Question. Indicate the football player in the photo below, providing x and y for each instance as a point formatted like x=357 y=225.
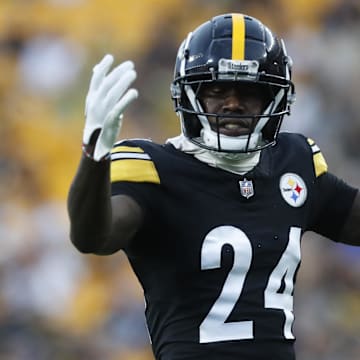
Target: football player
x=211 y=221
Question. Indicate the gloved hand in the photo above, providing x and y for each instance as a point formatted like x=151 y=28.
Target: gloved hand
x=107 y=98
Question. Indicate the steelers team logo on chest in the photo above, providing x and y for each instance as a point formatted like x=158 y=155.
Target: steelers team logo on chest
x=293 y=189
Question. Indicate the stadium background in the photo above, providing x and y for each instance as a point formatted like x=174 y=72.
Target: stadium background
x=58 y=304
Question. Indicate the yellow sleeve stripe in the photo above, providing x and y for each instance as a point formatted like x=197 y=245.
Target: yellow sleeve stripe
x=134 y=170
x=313 y=145
x=319 y=164
x=129 y=149
x=310 y=141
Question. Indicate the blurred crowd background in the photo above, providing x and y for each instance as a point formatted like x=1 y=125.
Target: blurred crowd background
x=58 y=304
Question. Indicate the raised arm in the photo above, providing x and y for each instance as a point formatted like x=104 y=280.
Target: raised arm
x=99 y=223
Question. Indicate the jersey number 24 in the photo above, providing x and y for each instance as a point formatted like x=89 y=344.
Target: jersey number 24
x=214 y=327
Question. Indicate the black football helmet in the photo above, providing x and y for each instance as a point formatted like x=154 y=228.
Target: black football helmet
x=232 y=48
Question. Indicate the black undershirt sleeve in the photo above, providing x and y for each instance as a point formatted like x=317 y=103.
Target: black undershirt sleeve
x=89 y=205
x=331 y=206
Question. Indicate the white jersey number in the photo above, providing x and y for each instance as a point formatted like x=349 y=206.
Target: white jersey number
x=214 y=327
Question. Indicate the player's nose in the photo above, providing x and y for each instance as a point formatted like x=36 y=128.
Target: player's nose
x=233 y=102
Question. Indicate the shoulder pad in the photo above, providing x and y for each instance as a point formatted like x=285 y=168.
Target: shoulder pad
x=320 y=164
x=132 y=163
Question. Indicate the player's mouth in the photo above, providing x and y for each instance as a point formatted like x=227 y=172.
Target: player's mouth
x=233 y=127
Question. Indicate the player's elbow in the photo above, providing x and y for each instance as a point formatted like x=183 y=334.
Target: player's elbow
x=87 y=243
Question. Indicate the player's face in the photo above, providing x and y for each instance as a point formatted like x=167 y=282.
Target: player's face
x=229 y=99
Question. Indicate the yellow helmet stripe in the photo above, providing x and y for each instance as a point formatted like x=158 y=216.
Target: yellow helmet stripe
x=238 y=31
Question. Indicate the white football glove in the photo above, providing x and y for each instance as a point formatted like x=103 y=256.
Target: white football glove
x=108 y=96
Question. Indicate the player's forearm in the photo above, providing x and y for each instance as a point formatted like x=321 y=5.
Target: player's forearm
x=89 y=205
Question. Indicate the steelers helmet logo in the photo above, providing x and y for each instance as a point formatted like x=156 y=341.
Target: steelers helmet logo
x=293 y=189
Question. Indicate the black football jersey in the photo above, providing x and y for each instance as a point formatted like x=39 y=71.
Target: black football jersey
x=218 y=253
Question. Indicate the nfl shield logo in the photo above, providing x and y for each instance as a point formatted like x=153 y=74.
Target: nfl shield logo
x=246 y=188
